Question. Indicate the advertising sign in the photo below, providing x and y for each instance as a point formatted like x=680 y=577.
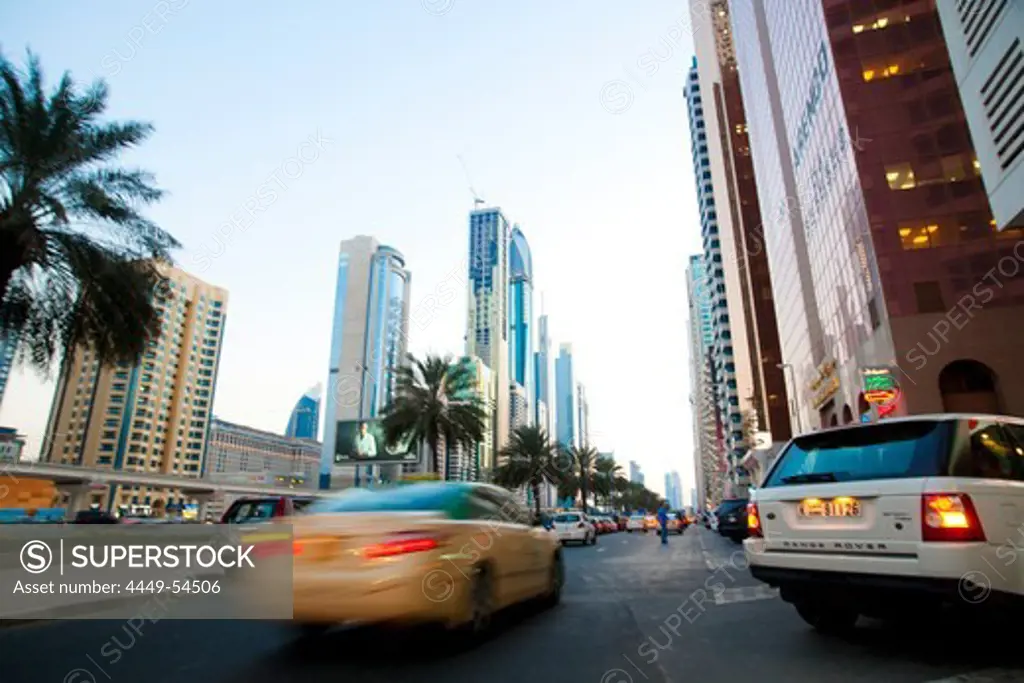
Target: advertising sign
x=362 y=442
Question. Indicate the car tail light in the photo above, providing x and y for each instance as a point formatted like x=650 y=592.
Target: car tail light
x=754 y=521
x=950 y=517
x=281 y=508
x=400 y=546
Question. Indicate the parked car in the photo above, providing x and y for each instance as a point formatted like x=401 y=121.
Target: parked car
x=896 y=518
x=575 y=527
x=732 y=519
x=636 y=523
x=621 y=522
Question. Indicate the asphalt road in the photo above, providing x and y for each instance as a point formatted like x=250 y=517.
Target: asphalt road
x=633 y=612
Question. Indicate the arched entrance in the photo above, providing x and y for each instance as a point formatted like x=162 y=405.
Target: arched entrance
x=834 y=422
x=968 y=386
x=847 y=415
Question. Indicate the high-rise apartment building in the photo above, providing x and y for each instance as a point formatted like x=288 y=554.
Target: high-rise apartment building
x=879 y=228
x=8 y=348
x=304 y=422
x=368 y=342
x=150 y=417
x=520 y=299
x=709 y=457
x=739 y=254
x=488 y=320
x=986 y=48
x=482 y=459
x=519 y=406
x=566 y=411
x=542 y=369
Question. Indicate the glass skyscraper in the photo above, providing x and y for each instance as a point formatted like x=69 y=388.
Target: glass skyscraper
x=520 y=338
x=544 y=409
x=304 y=422
x=566 y=412
x=368 y=342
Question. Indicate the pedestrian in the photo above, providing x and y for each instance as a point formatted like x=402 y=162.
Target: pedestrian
x=663 y=521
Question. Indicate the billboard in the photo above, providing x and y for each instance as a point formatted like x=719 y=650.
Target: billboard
x=363 y=442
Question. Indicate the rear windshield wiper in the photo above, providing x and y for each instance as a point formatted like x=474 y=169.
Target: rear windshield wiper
x=810 y=478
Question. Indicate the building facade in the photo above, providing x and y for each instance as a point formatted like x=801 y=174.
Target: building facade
x=234 y=450
x=521 y=331
x=482 y=460
x=368 y=345
x=636 y=475
x=583 y=421
x=519 y=406
x=11 y=445
x=542 y=369
x=488 y=319
x=878 y=225
x=151 y=417
x=304 y=422
x=8 y=349
x=566 y=410
x=986 y=48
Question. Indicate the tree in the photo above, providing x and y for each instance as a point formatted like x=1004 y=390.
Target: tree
x=607 y=474
x=78 y=261
x=529 y=459
x=435 y=401
x=584 y=458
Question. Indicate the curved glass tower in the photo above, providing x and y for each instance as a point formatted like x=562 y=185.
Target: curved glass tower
x=304 y=422
x=520 y=337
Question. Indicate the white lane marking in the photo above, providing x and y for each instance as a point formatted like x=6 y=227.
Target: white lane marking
x=745 y=594
x=600 y=550
x=985 y=676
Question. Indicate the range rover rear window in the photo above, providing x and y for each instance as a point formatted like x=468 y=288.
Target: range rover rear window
x=888 y=450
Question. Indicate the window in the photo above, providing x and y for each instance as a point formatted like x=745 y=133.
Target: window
x=917 y=235
x=989 y=452
x=900 y=176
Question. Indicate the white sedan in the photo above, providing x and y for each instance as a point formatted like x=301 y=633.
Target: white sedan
x=636 y=523
x=575 y=527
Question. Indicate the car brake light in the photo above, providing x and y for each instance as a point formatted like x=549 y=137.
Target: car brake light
x=950 y=517
x=754 y=521
x=401 y=546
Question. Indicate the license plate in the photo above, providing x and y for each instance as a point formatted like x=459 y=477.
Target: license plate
x=837 y=507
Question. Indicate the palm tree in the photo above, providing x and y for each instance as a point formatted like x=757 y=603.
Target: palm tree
x=529 y=459
x=606 y=475
x=78 y=261
x=584 y=458
x=435 y=401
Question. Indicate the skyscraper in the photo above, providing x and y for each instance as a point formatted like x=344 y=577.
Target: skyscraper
x=674 y=490
x=150 y=417
x=488 y=320
x=636 y=475
x=986 y=48
x=566 y=412
x=747 y=275
x=542 y=368
x=583 y=422
x=880 y=226
x=519 y=406
x=520 y=339
x=368 y=342
x=8 y=347
x=708 y=456
x=304 y=422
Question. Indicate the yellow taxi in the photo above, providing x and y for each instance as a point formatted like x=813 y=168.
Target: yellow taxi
x=651 y=523
x=452 y=553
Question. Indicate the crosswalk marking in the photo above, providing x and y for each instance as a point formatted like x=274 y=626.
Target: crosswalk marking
x=985 y=676
x=745 y=594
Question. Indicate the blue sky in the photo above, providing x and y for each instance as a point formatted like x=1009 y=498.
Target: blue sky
x=569 y=115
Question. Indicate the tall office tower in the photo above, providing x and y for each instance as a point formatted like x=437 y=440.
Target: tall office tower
x=708 y=456
x=8 y=347
x=748 y=281
x=150 y=417
x=635 y=475
x=488 y=327
x=566 y=411
x=304 y=422
x=542 y=369
x=583 y=422
x=879 y=225
x=520 y=333
x=986 y=48
x=543 y=420
x=670 y=493
x=368 y=343
x=519 y=406
x=677 y=489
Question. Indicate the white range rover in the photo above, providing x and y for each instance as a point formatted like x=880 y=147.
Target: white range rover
x=893 y=519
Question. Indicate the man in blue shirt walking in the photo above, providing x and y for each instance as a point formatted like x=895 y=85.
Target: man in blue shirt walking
x=663 y=521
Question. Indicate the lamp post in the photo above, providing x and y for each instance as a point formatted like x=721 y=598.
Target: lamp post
x=794 y=405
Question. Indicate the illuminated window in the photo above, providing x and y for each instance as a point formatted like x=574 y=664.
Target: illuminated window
x=917 y=235
x=900 y=177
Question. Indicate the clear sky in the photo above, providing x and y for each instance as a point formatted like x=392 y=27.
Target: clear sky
x=569 y=115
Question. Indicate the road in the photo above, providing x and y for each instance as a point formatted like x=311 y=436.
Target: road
x=633 y=612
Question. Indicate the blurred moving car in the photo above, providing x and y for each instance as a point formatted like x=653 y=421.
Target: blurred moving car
x=732 y=519
x=256 y=510
x=453 y=553
x=636 y=523
x=575 y=527
x=676 y=525
x=895 y=518
x=604 y=524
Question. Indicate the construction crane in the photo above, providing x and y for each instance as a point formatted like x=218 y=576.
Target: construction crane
x=477 y=200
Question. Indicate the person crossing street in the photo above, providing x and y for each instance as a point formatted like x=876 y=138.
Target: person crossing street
x=663 y=522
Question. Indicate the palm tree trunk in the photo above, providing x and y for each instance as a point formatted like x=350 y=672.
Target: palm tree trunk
x=536 y=498
x=583 y=488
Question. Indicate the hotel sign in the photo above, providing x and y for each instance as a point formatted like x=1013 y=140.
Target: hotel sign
x=880 y=386
x=825 y=385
